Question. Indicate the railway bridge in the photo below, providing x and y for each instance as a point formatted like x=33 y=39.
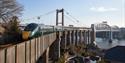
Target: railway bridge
x=42 y=48
x=103 y=30
x=48 y=46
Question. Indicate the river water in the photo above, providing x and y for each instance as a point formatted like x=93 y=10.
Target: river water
x=104 y=43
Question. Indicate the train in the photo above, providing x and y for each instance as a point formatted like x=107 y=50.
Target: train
x=33 y=30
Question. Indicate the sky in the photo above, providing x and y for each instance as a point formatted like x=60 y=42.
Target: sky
x=86 y=12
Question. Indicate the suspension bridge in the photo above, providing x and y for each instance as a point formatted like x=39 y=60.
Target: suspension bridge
x=49 y=18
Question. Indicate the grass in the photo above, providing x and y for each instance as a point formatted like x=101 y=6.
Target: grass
x=61 y=60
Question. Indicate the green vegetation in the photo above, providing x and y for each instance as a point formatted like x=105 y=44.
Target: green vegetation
x=82 y=50
x=61 y=60
x=12 y=31
x=13 y=26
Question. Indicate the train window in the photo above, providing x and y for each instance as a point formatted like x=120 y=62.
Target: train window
x=31 y=27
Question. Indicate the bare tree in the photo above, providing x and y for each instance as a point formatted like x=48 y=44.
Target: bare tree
x=8 y=9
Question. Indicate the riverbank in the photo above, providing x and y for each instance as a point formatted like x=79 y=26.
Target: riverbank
x=104 y=44
x=79 y=53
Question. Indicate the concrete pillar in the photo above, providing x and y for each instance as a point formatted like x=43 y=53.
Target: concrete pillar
x=88 y=36
x=47 y=55
x=64 y=40
x=76 y=37
x=59 y=40
x=83 y=36
x=54 y=51
x=80 y=36
x=84 y=33
x=111 y=34
x=72 y=37
x=65 y=36
x=68 y=38
x=93 y=33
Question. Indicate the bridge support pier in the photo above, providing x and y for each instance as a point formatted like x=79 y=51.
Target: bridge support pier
x=69 y=38
x=47 y=55
x=88 y=36
x=93 y=33
x=55 y=47
x=76 y=37
x=80 y=36
x=85 y=37
x=72 y=37
x=64 y=40
x=59 y=42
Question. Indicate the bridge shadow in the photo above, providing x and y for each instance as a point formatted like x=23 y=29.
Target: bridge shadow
x=42 y=59
x=53 y=53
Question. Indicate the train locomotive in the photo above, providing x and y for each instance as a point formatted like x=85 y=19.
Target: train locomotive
x=33 y=30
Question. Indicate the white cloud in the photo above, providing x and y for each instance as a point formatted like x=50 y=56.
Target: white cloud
x=103 y=9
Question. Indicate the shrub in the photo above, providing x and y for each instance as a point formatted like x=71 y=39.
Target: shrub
x=12 y=31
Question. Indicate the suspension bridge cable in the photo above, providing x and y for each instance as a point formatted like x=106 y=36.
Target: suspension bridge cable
x=50 y=12
x=70 y=19
x=71 y=16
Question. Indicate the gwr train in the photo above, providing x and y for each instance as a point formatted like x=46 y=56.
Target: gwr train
x=34 y=30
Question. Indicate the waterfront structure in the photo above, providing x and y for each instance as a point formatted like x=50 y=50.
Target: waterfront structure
x=122 y=33
x=105 y=31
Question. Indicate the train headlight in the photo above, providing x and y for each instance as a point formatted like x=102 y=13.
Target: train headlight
x=26 y=35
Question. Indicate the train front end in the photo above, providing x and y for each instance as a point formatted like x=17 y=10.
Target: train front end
x=30 y=31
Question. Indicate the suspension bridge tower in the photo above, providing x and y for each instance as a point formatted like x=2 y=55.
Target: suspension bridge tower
x=57 y=17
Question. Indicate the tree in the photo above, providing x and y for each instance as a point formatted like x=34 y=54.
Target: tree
x=13 y=26
x=12 y=33
x=8 y=9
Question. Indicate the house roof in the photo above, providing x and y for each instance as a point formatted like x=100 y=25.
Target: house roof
x=116 y=54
